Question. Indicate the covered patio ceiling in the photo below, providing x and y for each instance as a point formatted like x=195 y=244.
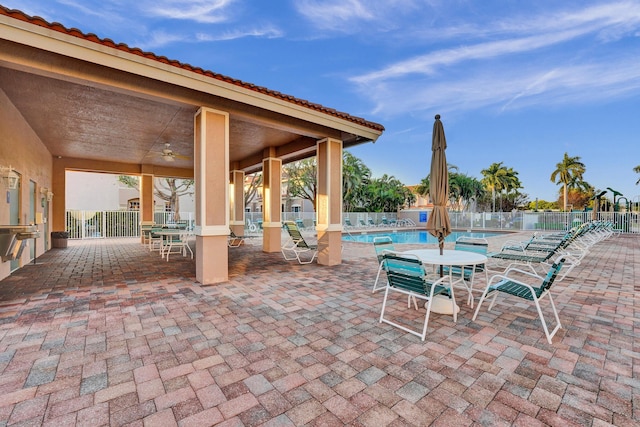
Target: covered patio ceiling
x=88 y=98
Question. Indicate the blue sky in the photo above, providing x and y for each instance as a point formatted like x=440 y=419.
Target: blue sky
x=515 y=82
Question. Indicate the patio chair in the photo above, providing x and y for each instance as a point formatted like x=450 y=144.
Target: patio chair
x=295 y=245
x=371 y=223
x=347 y=223
x=477 y=245
x=180 y=242
x=508 y=284
x=155 y=240
x=234 y=240
x=381 y=244
x=361 y=223
x=406 y=275
x=300 y=224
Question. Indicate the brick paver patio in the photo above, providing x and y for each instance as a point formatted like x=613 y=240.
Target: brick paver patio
x=106 y=333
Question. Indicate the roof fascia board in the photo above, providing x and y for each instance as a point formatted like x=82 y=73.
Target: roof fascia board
x=75 y=47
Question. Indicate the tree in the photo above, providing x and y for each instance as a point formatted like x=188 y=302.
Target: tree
x=463 y=189
x=302 y=179
x=355 y=177
x=423 y=188
x=386 y=194
x=168 y=189
x=494 y=180
x=637 y=170
x=568 y=169
x=252 y=184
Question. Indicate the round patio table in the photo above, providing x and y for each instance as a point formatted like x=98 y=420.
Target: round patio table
x=448 y=258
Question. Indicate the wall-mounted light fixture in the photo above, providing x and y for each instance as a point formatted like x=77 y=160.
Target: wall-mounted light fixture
x=49 y=196
x=10 y=178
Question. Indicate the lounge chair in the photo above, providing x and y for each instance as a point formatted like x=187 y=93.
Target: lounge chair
x=361 y=223
x=468 y=273
x=295 y=245
x=347 y=223
x=507 y=283
x=371 y=223
x=406 y=275
x=235 y=240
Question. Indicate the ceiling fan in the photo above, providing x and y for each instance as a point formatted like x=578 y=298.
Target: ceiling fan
x=169 y=156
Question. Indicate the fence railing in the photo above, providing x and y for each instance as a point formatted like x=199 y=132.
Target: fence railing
x=106 y=224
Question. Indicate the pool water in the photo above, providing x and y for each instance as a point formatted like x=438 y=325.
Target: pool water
x=413 y=236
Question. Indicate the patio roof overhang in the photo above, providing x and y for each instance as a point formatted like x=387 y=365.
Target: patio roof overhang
x=91 y=99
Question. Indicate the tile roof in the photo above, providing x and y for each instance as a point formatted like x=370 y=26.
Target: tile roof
x=55 y=26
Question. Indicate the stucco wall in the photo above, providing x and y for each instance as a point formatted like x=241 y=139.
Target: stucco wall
x=21 y=148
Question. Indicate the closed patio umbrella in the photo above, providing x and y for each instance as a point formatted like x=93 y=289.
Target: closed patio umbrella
x=438 y=224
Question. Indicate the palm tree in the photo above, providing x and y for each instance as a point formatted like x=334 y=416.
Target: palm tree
x=568 y=169
x=355 y=176
x=637 y=170
x=494 y=179
x=510 y=182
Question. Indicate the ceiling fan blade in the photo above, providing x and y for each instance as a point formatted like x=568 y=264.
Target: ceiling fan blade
x=181 y=157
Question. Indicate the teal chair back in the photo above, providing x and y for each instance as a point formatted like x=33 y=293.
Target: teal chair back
x=550 y=277
x=381 y=244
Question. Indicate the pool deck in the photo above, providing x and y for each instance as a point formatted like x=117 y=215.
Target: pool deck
x=106 y=333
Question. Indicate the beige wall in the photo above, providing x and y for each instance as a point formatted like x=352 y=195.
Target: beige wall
x=21 y=148
x=103 y=192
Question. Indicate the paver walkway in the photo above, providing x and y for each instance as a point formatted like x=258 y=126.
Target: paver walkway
x=106 y=333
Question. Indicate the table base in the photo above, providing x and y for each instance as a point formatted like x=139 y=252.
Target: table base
x=441 y=305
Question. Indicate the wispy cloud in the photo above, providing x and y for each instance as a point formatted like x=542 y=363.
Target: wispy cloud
x=203 y=11
x=349 y=16
x=510 y=89
x=520 y=69
x=267 y=32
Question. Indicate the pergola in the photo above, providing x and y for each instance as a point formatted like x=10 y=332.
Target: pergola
x=100 y=106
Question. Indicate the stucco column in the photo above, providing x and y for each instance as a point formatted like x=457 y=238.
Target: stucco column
x=211 y=173
x=146 y=200
x=236 y=202
x=271 y=204
x=58 y=186
x=329 y=201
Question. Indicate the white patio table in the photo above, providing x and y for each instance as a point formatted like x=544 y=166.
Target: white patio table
x=449 y=258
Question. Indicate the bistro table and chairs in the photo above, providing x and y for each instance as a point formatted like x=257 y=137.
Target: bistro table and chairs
x=455 y=262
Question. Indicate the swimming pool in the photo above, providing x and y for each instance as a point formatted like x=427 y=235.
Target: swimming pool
x=420 y=236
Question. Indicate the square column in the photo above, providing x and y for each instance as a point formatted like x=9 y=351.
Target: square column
x=58 y=187
x=271 y=204
x=236 y=202
x=146 y=201
x=211 y=173
x=329 y=201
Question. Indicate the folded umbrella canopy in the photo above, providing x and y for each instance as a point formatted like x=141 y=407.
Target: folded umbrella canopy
x=438 y=224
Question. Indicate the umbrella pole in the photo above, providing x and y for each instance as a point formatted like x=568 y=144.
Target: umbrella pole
x=441 y=244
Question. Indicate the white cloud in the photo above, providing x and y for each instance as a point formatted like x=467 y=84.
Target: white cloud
x=534 y=61
x=267 y=32
x=350 y=16
x=510 y=89
x=203 y=11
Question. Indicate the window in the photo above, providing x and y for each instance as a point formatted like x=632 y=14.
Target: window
x=133 y=204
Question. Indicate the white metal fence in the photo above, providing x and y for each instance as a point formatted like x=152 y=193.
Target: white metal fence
x=106 y=224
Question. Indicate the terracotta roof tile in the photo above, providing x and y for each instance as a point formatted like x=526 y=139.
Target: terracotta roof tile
x=55 y=26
